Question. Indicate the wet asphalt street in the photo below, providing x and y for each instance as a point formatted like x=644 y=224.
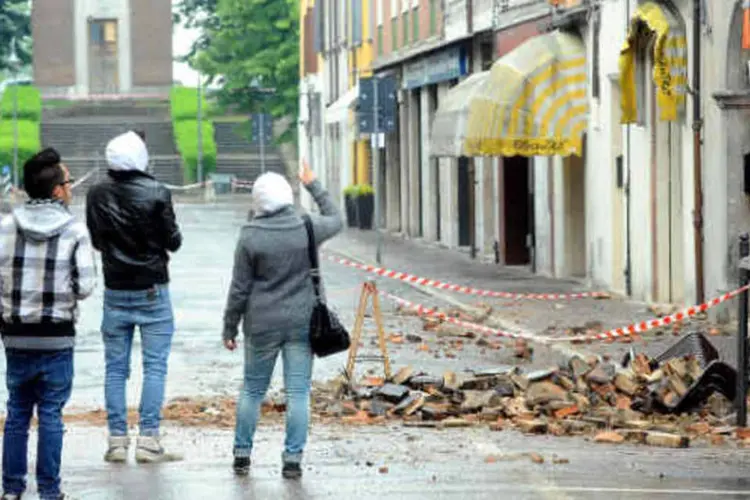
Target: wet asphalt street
x=346 y=462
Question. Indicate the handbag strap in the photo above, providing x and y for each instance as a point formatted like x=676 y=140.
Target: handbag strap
x=312 y=255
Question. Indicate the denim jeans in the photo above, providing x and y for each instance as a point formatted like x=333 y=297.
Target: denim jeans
x=43 y=379
x=151 y=311
x=261 y=351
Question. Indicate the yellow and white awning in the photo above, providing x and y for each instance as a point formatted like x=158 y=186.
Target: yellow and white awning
x=670 y=61
x=532 y=102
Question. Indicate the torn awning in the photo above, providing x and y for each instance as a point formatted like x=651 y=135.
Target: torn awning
x=339 y=110
x=531 y=102
x=449 y=124
x=669 y=61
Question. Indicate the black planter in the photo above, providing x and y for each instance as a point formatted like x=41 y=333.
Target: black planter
x=365 y=210
x=351 y=210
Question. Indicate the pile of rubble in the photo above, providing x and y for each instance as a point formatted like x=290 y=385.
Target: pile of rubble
x=661 y=402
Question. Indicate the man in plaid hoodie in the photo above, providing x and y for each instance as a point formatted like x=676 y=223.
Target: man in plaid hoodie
x=46 y=266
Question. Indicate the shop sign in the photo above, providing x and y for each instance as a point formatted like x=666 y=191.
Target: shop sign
x=445 y=65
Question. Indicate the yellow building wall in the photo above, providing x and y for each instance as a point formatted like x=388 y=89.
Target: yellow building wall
x=361 y=67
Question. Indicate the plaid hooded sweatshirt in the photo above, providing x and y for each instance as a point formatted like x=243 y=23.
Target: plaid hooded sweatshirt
x=46 y=266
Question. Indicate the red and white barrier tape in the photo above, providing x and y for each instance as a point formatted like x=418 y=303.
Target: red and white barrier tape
x=422 y=310
x=84 y=178
x=188 y=187
x=410 y=278
x=633 y=329
x=652 y=324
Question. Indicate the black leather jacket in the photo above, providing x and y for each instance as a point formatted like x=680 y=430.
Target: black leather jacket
x=132 y=223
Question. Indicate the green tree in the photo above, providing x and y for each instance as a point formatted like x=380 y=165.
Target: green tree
x=255 y=43
x=15 y=29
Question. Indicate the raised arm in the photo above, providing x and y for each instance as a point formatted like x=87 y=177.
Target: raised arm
x=328 y=223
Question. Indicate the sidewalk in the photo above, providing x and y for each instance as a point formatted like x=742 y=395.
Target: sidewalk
x=543 y=318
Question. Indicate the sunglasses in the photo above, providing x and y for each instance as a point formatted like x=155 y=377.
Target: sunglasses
x=68 y=181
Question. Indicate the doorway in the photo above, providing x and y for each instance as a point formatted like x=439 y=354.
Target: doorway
x=466 y=204
x=103 y=59
x=574 y=176
x=518 y=209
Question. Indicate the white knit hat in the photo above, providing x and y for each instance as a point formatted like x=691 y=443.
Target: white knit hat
x=271 y=192
x=127 y=152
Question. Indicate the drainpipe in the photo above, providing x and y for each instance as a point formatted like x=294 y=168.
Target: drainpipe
x=697 y=159
x=628 y=259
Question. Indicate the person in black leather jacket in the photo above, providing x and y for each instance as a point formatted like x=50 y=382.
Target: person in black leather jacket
x=133 y=224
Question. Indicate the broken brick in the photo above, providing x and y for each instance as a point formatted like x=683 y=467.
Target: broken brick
x=567 y=411
x=624 y=383
x=579 y=366
x=601 y=374
x=403 y=375
x=411 y=404
x=544 y=392
x=393 y=393
x=666 y=440
x=476 y=400
x=532 y=426
x=609 y=437
x=536 y=458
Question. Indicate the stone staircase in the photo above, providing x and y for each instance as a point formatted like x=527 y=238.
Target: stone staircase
x=237 y=156
x=82 y=131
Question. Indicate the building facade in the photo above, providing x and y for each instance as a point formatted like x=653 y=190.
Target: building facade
x=605 y=141
x=86 y=48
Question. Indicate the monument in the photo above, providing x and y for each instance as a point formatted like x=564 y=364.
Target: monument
x=105 y=48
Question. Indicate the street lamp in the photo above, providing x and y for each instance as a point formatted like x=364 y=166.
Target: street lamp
x=200 y=130
x=13 y=62
x=263 y=91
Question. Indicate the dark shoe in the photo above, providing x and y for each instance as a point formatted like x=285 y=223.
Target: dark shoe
x=241 y=466
x=291 y=471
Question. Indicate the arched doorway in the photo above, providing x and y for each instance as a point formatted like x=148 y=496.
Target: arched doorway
x=658 y=209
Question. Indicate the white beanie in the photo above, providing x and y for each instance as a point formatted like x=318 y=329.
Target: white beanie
x=127 y=152
x=271 y=192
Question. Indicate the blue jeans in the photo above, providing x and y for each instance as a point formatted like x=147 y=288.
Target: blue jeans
x=151 y=311
x=43 y=379
x=261 y=351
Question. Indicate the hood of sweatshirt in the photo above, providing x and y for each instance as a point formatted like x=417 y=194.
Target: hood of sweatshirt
x=127 y=152
x=41 y=220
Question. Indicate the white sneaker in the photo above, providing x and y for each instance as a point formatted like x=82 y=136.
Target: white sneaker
x=118 y=450
x=150 y=451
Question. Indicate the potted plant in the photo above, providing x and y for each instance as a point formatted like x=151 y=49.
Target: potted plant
x=365 y=206
x=350 y=204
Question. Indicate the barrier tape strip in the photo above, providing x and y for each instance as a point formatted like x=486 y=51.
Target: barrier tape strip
x=410 y=278
x=84 y=178
x=644 y=326
x=633 y=329
x=188 y=187
x=422 y=310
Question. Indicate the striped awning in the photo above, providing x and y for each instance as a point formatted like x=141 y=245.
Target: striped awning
x=670 y=61
x=532 y=102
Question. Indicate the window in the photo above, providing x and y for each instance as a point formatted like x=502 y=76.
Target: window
x=415 y=23
x=379 y=12
x=405 y=28
x=394 y=33
x=433 y=16
x=380 y=40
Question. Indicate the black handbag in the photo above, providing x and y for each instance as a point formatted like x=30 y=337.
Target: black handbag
x=327 y=334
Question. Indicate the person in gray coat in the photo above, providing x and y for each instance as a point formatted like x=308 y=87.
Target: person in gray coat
x=272 y=294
